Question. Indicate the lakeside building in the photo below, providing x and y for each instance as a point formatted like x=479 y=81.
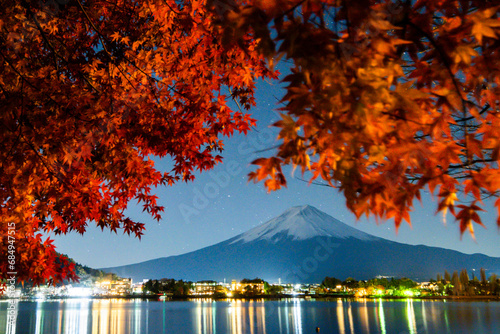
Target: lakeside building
x=429 y=286
x=119 y=287
x=242 y=287
x=137 y=288
x=204 y=288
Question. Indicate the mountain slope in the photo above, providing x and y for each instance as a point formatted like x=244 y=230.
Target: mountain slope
x=301 y=223
x=305 y=244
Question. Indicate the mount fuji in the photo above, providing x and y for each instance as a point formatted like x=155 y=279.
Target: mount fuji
x=305 y=245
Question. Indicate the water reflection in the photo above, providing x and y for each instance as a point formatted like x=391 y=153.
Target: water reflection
x=205 y=317
x=255 y=316
x=246 y=317
x=381 y=316
x=351 y=319
x=410 y=314
x=249 y=316
x=39 y=318
x=297 y=316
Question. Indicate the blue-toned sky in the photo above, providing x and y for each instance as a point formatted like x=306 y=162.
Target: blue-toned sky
x=221 y=204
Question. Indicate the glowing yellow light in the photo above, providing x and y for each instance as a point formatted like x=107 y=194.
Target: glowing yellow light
x=408 y=293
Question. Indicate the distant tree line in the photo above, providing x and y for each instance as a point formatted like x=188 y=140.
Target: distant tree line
x=460 y=284
x=456 y=284
x=330 y=283
x=254 y=280
x=86 y=272
x=252 y=287
x=168 y=286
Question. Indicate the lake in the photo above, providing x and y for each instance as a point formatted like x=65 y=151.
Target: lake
x=122 y=316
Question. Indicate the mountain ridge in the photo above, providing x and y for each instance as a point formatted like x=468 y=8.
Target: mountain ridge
x=303 y=222
x=304 y=245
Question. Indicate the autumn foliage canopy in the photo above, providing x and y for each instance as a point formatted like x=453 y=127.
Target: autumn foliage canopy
x=90 y=91
x=385 y=99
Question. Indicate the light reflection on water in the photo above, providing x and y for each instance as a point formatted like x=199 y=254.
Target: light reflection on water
x=118 y=316
x=381 y=316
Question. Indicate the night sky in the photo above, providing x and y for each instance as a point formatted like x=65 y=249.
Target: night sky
x=221 y=204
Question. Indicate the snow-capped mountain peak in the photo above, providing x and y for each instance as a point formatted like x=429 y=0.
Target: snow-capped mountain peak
x=300 y=223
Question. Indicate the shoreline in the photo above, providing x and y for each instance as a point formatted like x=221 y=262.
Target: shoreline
x=329 y=297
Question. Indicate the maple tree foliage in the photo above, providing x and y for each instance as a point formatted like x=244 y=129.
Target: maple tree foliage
x=90 y=91
x=386 y=99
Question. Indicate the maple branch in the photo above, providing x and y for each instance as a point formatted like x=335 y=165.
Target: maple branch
x=101 y=36
x=17 y=138
x=290 y=10
x=470 y=163
x=33 y=148
x=125 y=76
x=233 y=96
x=54 y=52
x=267 y=149
x=130 y=62
x=470 y=118
x=348 y=22
x=422 y=136
x=487 y=194
x=44 y=36
x=404 y=118
x=316 y=183
x=452 y=76
x=444 y=58
x=170 y=7
x=23 y=78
